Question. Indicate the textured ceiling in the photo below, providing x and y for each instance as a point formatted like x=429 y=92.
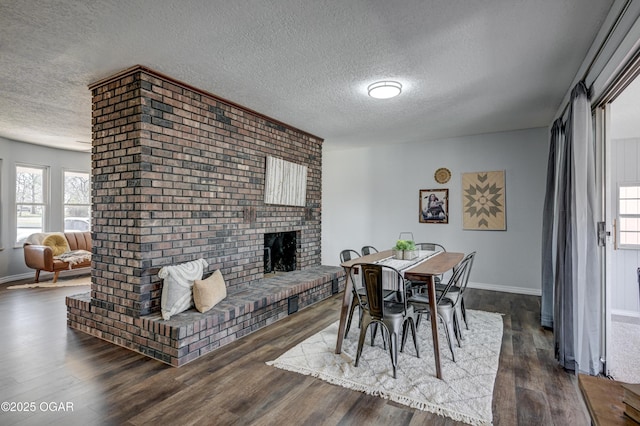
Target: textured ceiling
x=467 y=67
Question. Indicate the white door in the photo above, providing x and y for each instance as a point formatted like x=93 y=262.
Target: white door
x=620 y=119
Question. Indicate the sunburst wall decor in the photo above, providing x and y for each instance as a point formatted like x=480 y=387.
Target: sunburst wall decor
x=483 y=201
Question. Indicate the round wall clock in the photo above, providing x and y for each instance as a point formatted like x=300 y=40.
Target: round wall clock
x=442 y=175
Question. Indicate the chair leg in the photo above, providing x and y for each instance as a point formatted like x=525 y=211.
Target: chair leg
x=55 y=276
x=411 y=324
x=458 y=322
x=363 y=333
x=374 y=333
x=419 y=317
x=393 y=343
x=414 y=330
x=458 y=328
x=393 y=350
x=447 y=323
x=455 y=326
x=464 y=312
x=37 y=275
x=351 y=311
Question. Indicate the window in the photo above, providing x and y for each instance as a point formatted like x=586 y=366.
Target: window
x=77 y=201
x=31 y=199
x=629 y=215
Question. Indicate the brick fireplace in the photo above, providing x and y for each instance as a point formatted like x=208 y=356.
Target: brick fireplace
x=179 y=174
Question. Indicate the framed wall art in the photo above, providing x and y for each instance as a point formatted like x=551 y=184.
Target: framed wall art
x=483 y=201
x=434 y=206
x=285 y=183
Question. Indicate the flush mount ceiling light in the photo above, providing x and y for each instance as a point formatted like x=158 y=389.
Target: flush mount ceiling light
x=384 y=89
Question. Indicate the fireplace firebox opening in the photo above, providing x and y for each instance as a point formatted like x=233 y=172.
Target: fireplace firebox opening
x=280 y=252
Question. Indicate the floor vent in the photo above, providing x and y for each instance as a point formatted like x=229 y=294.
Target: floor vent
x=293 y=304
x=334 y=286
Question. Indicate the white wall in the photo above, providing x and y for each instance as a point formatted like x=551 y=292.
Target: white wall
x=370 y=195
x=12 y=265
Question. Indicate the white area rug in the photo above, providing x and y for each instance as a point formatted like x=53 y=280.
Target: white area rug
x=71 y=282
x=625 y=352
x=464 y=395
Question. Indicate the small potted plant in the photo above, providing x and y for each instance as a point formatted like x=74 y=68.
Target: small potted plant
x=405 y=250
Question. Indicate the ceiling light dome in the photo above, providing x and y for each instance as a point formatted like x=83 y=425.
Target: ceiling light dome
x=384 y=89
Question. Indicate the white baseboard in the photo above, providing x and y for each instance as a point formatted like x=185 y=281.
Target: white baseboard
x=44 y=276
x=623 y=313
x=17 y=277
x=506 y=289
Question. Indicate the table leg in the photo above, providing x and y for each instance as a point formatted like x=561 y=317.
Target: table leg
x=433 y=308
x=344 y=311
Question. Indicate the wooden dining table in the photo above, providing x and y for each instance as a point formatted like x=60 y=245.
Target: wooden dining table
x=423 y=272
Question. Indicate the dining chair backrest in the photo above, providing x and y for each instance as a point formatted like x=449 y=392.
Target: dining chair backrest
x=456 y=279
x=373 y=276
x=348 y=254
x=435 y=247
x=406 y=236
x=469 y=263
x=430 y=247
x=368 y=250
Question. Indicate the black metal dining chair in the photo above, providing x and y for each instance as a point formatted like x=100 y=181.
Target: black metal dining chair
x=357 y=290
x=446 y=311
x=396 y=317
x=348 y=254
x=365 y=250
x=456 y=293
x=406 y=236
x=429 y=247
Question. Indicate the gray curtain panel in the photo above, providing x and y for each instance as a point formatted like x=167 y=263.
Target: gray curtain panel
x=563 y=289
x=549 y=224
x=585 y=213
x=576 y=273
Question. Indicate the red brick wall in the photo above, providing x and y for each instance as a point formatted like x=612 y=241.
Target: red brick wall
x=178 y=174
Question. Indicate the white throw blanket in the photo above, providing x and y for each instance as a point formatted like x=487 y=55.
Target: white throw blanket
x=74 y=257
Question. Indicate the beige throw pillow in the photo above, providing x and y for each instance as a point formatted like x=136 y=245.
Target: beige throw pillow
x=209 y=292
x=57 y=242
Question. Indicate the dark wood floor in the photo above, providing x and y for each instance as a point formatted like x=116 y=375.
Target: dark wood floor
x=41 y=360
